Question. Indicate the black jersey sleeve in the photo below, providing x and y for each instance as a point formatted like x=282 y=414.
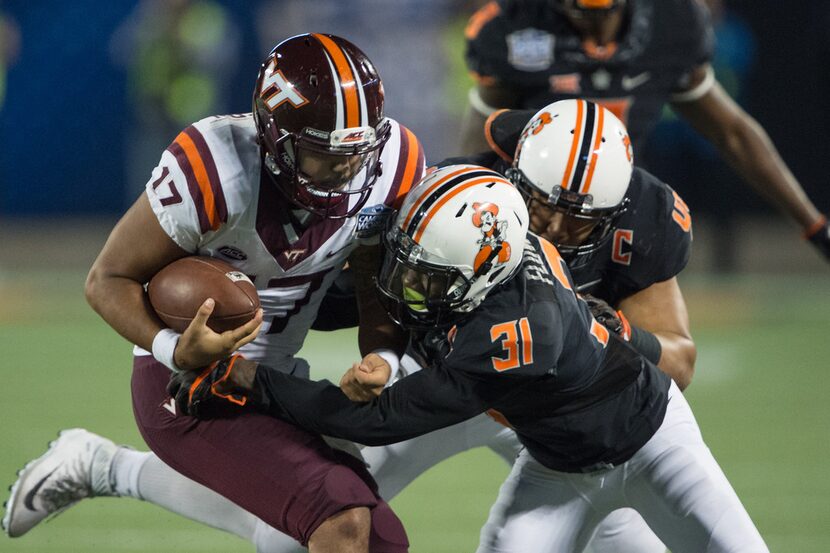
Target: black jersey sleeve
x=504 y=128
x=427 y=400
x=484 y=159
x=693 y=37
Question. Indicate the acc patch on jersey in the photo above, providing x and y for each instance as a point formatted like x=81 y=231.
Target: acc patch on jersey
x=530 y=49
x=371 y=221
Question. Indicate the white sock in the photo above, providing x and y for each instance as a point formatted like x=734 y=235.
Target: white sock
x=124 y=470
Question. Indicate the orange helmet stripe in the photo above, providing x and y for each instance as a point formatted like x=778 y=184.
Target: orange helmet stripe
x=597 y=143
x=197 y=164
x=447 y=197
x=348 y=83
x=566 y=178
x=431 y=189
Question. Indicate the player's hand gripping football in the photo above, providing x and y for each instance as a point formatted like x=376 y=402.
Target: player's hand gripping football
x=222 y=389
x=820 y=238
x=607 y=316
x=199 y=346
x=366 y=379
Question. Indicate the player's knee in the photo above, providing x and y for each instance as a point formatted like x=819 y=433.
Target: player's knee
x=345 y=531
x=388 y=534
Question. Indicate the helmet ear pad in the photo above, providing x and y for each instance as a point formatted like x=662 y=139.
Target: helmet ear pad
x=320 y=94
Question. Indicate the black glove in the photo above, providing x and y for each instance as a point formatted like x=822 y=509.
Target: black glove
x=820 y=237
x=606 y=315
x=214 y=392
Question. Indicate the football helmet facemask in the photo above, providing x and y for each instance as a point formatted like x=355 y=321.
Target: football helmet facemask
x=573 y=164
x=318 y=111
x=459 y=234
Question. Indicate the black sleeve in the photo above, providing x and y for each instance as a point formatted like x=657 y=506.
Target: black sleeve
x=504 y=128
x=420 y=403
x=338 y=308
x=695 y=38
x=484 y=159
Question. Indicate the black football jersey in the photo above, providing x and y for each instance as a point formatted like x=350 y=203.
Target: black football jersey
x=578 y=397
x=531 y=48
x=652 y=241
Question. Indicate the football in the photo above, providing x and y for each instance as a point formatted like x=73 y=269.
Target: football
x=178 y=290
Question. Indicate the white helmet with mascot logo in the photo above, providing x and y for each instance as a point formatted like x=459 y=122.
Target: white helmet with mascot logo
x=575 y=157
x=459 y=234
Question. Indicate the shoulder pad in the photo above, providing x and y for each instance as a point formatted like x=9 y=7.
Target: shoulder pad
x=657 y=232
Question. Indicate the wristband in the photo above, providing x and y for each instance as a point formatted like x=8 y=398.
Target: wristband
x=394 y=362
x=813 y=229
x=164 y=344
x=646 y=344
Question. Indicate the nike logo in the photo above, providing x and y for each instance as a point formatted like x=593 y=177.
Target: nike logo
x=630 y=83
x=29 y=500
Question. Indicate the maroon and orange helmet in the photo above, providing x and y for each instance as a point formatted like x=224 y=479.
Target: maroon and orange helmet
x=318 y=110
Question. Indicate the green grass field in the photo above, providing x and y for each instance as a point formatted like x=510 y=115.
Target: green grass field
x=759 y=395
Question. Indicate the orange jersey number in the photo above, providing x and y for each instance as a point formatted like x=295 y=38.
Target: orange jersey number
x=681 y=214
x=511 y=334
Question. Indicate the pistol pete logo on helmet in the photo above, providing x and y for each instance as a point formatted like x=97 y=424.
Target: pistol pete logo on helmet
x=492 y=246
x=276 y=90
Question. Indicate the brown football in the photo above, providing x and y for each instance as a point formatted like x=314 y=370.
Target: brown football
x=177 y=291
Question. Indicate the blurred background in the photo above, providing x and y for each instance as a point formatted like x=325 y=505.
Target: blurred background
x=92 y=92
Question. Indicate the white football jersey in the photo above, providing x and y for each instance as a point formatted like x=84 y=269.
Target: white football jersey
x=212 y=197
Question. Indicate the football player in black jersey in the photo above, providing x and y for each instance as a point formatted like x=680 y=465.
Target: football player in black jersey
x=638 y=230
x=603 y=428
x=632 y=56
x=638 y=241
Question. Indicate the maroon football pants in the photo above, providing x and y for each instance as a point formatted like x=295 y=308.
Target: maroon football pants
x=284 y=475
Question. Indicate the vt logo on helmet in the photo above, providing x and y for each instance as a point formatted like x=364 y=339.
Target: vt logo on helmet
x=573 y=165
x=450 y=245
x=318 y=110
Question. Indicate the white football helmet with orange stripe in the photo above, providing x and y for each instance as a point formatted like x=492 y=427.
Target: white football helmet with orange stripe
x=318 y=109
x=459 y=234
x=574 y=158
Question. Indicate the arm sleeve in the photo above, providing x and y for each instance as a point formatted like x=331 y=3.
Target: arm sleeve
x=699 y=45
x=420 y=403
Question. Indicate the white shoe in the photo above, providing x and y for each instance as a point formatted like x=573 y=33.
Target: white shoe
x=75 y=466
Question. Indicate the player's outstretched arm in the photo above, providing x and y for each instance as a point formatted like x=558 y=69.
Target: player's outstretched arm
x=661 y=310
x=418 y=404
x=745 y=145
x=137 y=248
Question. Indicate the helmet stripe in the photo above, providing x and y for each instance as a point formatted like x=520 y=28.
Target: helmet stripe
x=347 y=79
x=585 y=146
x=594 y=153
x=361 y=94
x=454 y=191
x=577 y=135
x=417 y=203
